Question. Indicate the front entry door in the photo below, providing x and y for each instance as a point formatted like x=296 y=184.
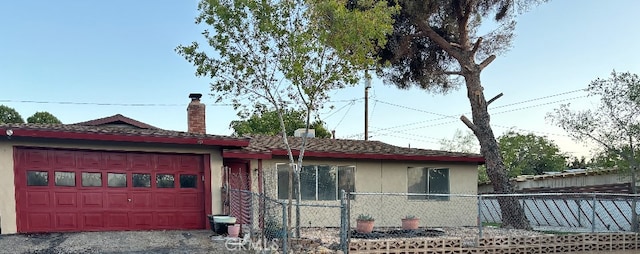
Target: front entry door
x=239 y=182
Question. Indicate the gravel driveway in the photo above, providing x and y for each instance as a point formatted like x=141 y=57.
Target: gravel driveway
x=190 y=241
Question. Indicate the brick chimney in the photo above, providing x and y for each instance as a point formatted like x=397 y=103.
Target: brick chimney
x=195 y=115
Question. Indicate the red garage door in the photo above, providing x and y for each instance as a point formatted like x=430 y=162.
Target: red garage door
x=76 y=190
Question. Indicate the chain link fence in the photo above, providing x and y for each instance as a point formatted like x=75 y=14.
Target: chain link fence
x=270 y=221
x=568 y=212
x=471 y=217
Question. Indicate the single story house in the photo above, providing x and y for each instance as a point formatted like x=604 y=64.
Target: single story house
x=331 y=165
x=116 y=173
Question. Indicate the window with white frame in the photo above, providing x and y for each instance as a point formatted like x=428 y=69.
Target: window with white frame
x=318 y=182
x=428 y=181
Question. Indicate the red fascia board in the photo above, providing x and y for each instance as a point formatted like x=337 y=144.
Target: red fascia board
x=125 y=138
x=382 y=156
x=245 y=155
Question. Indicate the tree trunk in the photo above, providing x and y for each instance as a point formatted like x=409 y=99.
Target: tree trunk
x=513 y=215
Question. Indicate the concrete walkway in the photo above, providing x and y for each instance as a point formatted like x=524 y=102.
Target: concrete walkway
x=195 y=241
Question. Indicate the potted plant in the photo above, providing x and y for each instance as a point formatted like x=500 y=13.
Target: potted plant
x=410 y=222
x=364 y=224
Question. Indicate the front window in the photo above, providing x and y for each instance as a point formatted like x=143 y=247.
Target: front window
x=318 y=182
x=428 y=181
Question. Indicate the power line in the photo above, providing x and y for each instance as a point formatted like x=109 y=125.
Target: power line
x=452 y=116
x=128 y=104
x=112 y=104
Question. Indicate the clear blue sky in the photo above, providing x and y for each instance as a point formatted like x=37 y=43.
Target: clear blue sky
x=122 y=52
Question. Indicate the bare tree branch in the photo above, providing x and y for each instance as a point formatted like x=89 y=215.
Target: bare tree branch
x=468 y=123
x=487 y=61
x=494 y=98
x=476 y=46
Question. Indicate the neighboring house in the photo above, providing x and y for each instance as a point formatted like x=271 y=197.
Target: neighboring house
x=331 y=165
x=116 y=173
x=569 y=181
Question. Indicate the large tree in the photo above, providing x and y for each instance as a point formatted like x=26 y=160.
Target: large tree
x=530 y=154
x=435 y=46
x=268 y=123
x=273 y=55
x=614 y=125
x=43 y=117
x=9 y=115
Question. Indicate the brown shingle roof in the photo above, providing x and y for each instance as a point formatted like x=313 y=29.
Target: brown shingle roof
x=345 y=148
x=81 y=132
x=117 y=119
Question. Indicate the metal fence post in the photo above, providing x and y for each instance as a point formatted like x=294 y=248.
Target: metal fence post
x=593 y=215
x=285 y=227
x=479 y=217
x=344 y=245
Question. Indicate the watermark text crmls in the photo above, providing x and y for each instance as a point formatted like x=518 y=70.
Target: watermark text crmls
x=240 y=244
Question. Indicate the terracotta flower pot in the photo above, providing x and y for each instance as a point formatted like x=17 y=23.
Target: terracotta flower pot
x=233 y=230
x=364 y=226
x=410 y=223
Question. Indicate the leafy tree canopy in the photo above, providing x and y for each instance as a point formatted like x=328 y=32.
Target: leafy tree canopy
x=43 y=117
x=9 y=115
x=462 y=141
x=529 y=154
x=268 y=123
x=615 y=123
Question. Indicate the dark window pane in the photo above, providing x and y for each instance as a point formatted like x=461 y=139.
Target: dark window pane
x=65 y=178
x=308 y=183
x=327 y=183
x=141 y=180
x=37 y=178
x=346 y=180
x=439 y=183
x=283 y=181
x=91 y=179
x=164 y=181
x=188 y=181
x=117 y=179
x=417 y=182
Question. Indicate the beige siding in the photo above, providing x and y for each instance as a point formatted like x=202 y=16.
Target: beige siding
x=7 y=190
x=7 y=187
x=375 y=176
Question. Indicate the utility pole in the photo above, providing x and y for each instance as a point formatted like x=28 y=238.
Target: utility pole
x=367 y=85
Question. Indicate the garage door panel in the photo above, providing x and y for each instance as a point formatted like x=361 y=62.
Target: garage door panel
x=165 y=200
x=116 y=160
x=117 y=220
x=67 y=220
x=190 y=219
x=66 y=199
x=190 y=200
x=64 y=159
x=142 y=200
x=34 y=158
x=142 y=220
x=189 y=163
x=38 y=199
x=93 y=220
x=117 y=200
x=89 y=160
x=165 y=162
x=166 y=219
x=141 y=162
x=39 y=221
x=92 y=199
x=86 y=190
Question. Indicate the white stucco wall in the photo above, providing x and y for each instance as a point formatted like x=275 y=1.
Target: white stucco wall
x=7 y=185
x=377 y=176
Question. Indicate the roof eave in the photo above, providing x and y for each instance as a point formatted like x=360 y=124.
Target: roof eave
x=375 y=156
x=245 y=155
x=32 y=133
